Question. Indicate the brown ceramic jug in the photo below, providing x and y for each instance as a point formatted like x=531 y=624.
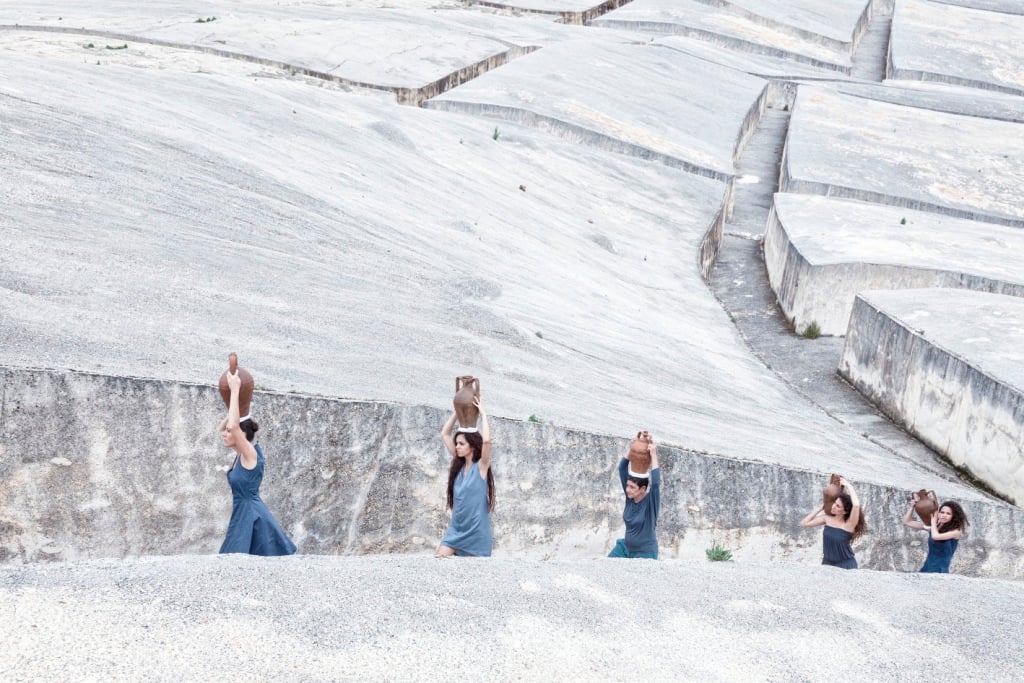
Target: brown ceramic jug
x=639 y=453
x=244 y=391
x=831 y=492
x=467 y=388
x=925 y=504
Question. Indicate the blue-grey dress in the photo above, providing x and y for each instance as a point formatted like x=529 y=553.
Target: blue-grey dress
x=836 y=548
x=252 y=528
x=940 y=555
x=469 y=532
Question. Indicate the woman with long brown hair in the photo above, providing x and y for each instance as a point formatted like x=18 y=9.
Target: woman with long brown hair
x=944 y=533
x=844 y=523
x=470 y=494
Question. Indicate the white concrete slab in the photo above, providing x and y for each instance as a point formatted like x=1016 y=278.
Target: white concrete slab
x=1007 y=6
x=763 y=66
x=548 y=6
x=742 y=29
x=845 y=146
x=820 y=252
x=157 y=218
x=941 y=97
x=949 y=365
x=643 y=99
x=957 y=45
x=385 y=47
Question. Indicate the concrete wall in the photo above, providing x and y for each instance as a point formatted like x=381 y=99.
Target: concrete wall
x=99 y=466
x=824 y=292
x=960 y=410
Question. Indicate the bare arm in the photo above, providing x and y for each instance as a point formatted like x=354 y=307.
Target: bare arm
x=815 y=517
x=246 y=451
x=912 y=523
x=936 y=536
x=851 y=522
x=653 y=450
x=485 y=432
x=446 y=434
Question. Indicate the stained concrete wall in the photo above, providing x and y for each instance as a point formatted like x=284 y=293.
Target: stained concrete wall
x=938 y=382
x=100 y=466
x=819 y=252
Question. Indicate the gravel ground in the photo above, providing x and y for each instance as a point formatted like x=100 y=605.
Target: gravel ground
x=386 y=618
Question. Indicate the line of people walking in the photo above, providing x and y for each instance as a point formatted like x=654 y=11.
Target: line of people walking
x=470 y=497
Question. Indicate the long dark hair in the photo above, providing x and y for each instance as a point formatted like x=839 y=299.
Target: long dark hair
x=959 y=520
x=476 y=442
x=249 y=428
x=862 y=524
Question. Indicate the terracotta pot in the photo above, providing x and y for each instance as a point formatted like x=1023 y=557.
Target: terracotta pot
x=926 y=504
x=467 y=388
x=830 y=493
x=639 y=453
x=244 y=391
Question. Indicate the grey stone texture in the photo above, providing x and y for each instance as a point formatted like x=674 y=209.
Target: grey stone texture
x=99 y=466
x=399 y=48
x=249 y=184
x=409 y=618
x=948 y=364
x=617 y=102
x=855 y=148
x=805 y=32
x=962 y=46
x=820 y=252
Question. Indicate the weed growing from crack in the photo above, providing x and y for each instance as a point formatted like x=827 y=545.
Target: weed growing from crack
x=812 y=331
x=717 y=553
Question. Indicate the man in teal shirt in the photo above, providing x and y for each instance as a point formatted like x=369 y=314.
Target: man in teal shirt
x=643 y=500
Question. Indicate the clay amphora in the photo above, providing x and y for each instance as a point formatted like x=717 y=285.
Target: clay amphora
x=831 y=492
x=639 y=455
x=244 y=391
x=925 y=504
x=467 y=388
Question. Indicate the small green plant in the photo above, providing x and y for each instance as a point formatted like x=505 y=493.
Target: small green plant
x=495 y=134
x=768 y=365
x=205 y=20
x=88 y=46
x=812 y=331
x=534 y=418
x=717 y=553
x=903 y=221
x=118 y=47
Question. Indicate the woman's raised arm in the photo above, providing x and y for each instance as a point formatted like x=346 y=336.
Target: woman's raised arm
x=485 y=433
x=446 y=434
x=246 y=451
x=815 y=517
x=908 y=520
x=851 y=521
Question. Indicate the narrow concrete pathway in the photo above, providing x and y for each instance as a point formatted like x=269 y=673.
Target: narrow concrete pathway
x=869 y=58
x=740 y=282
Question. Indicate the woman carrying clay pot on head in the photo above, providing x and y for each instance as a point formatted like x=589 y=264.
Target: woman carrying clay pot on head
x=844 y=523
x=252 y=528
x=944 y=532
x=641 y=482
x=470 y=489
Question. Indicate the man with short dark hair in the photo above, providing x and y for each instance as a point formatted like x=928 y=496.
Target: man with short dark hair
x=643 y=500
